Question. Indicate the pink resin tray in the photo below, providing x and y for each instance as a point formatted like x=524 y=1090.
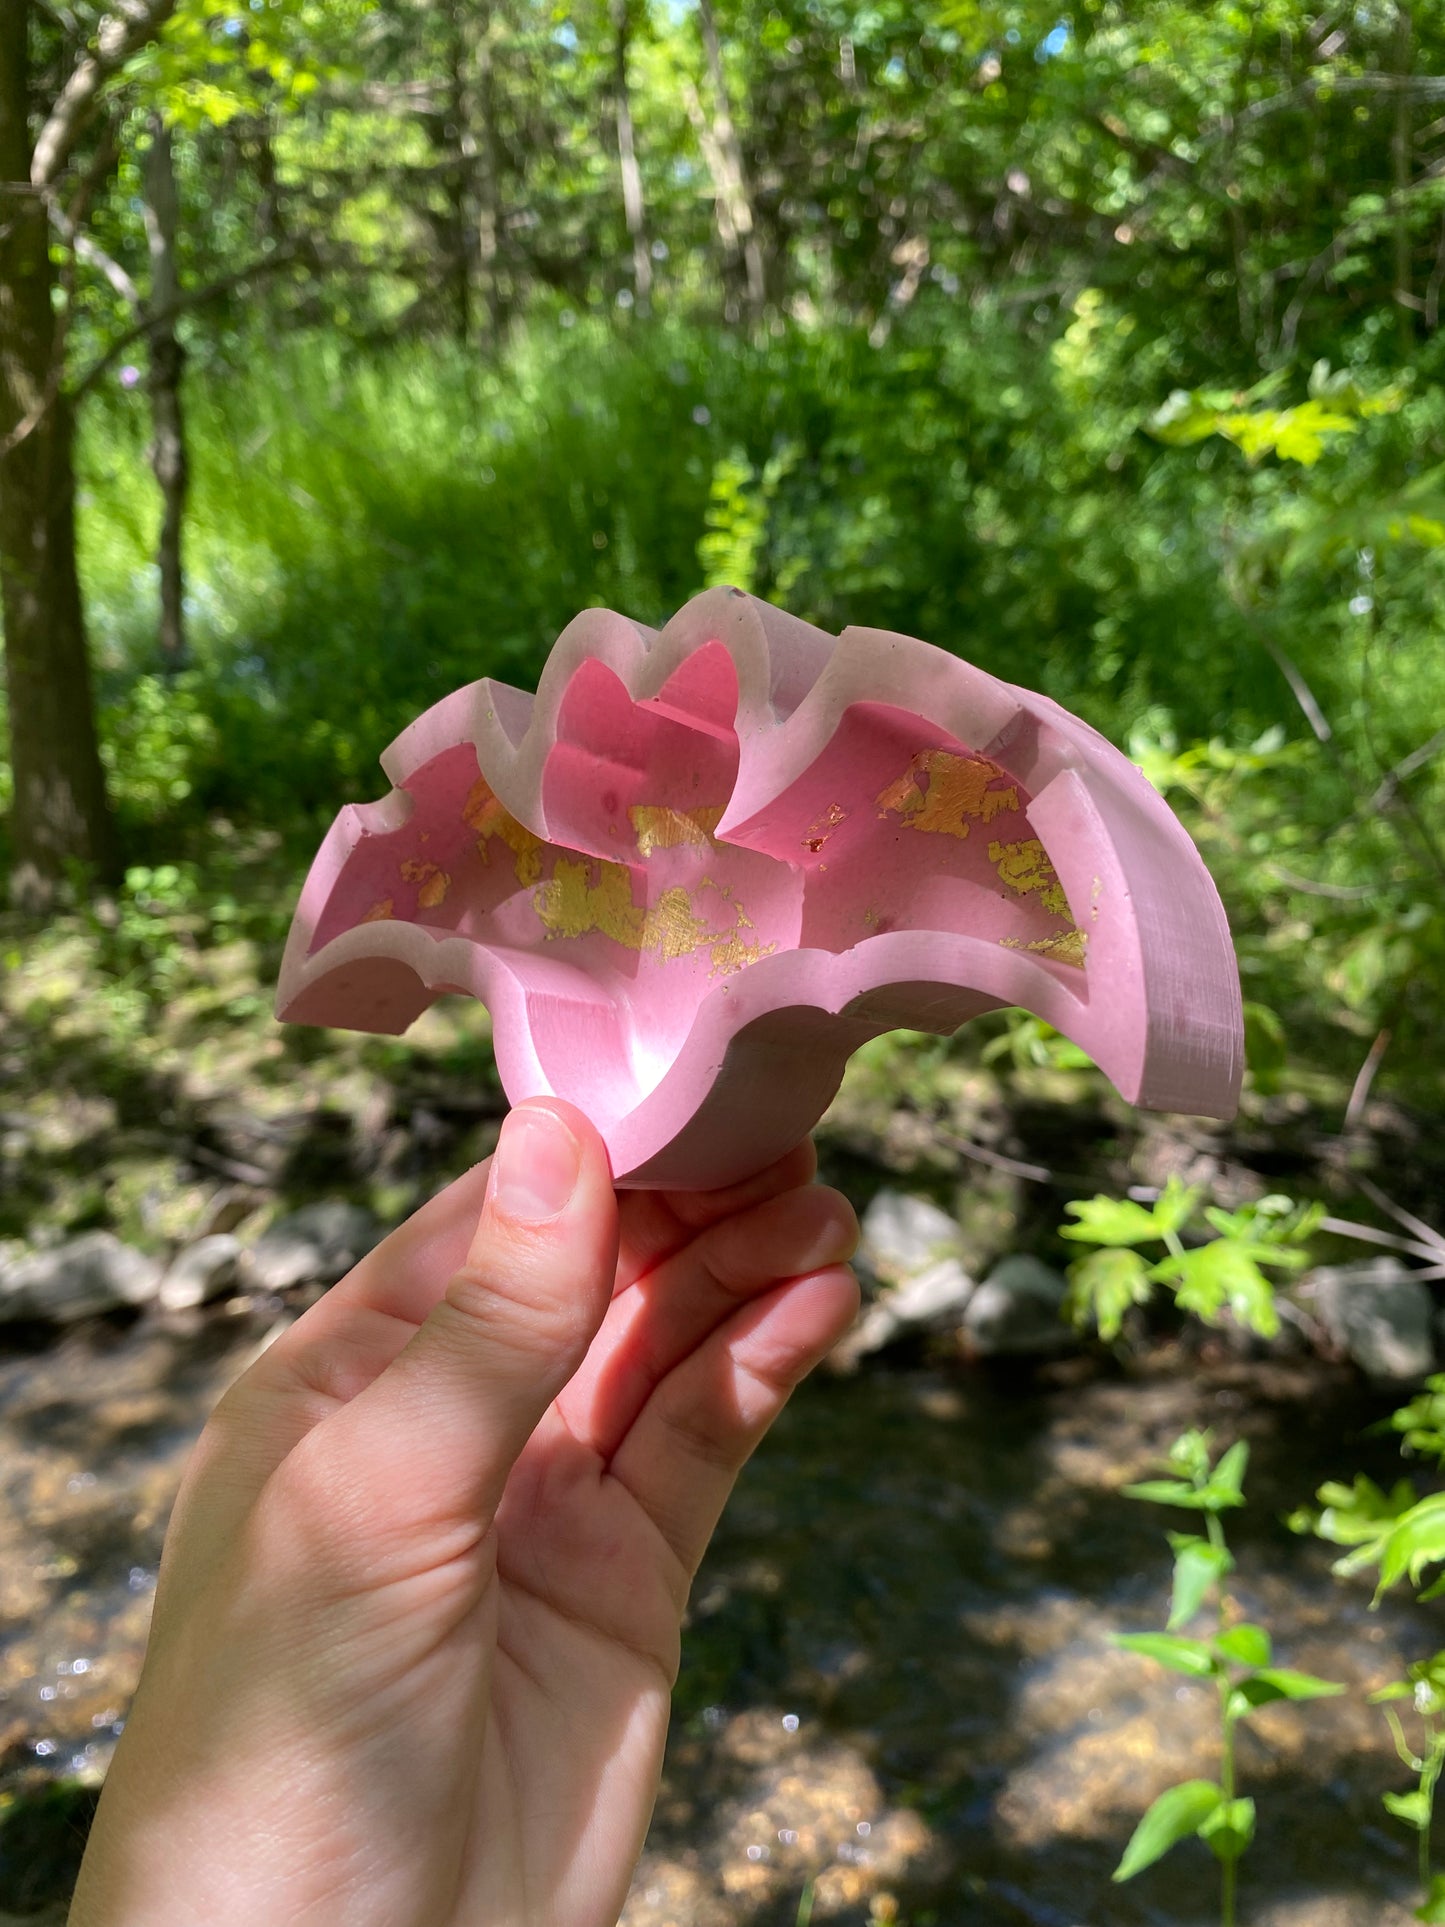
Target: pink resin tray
x=701 y=866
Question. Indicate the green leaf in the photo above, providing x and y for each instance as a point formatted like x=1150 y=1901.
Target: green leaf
x=1283 y=1683
x=1412 y=1808
x=1110 y=1221
x=1192 y=1656
x=1432 y=1908
x=1226 y=1482
x=1103 y=1286
x=1167 y=1492
x=1416 y=1540
x=1198 y=1565
x=1175 y=1205
x=1178 y=1812
x=1247 y=1645
x=1224 y=1273
x=1229 y=1829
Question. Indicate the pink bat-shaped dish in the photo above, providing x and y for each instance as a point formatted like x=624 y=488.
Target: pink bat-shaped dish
x=702 y=865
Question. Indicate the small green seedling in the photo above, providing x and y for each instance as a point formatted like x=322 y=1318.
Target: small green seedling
x=1237 y=1655
x=1401 y=1535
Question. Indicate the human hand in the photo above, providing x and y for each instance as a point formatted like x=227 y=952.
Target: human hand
x=418 y=1614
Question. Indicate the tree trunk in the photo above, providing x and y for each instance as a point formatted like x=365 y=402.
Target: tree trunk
x=60 y=814
x=632 y=203
x=168 y=428
x=1400 y=159
x=735 y=183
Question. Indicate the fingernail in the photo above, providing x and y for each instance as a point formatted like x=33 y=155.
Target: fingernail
x=534 y=1167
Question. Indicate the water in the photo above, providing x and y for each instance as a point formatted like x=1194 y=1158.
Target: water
x=897 y=1683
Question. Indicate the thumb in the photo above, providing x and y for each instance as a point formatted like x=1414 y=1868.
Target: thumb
x=434 y=1437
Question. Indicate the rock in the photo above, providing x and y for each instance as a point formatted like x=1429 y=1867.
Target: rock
x=934 y=1300
x=77 y=1279
x=1017 y=1310
x=201 y=1272
x=1377 y=1312
x=318 y=1244
x=903 y=1235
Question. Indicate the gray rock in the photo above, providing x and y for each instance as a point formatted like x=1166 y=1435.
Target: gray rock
x=316 y=1245
x=77 y=1279
x=1018 y=1310
x=201 y=1272
x=934 y=1300
x=1377 y=1312
x=903 y=1235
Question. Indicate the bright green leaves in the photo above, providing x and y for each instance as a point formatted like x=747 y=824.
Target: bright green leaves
x=1229 y=1829
x=1176 y=1815
x=1196 y=1486
x=1104 y=1286
x=1238 y=1657
x=1336 y=407
x=1248 y=1644
x=1432 y=1908
x=1211 y=1277
x=1119 y=1221
x=1192 y=1656
x=1421 y=1423
x=1401 y=1535
x=1214 y=1276
x=1198 y=1565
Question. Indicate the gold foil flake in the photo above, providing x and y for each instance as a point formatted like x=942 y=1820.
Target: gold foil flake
x=1095 y=893
x=484 y=812
x=380 y=911
x=481 y=807
x=817 y=834
x=730 y=952
x=1064 y=946
x=571 y=906
x=659 y=827
x=960 y=790
x=673 y=928
x=1025 y=869
x=433 y=879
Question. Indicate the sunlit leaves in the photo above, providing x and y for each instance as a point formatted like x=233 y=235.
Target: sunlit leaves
x=1178 y=1813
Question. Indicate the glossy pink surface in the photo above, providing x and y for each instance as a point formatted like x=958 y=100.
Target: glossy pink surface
x=701 y=866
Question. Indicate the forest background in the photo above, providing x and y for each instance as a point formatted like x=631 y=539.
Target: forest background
x=349 y=347
x=1100 y=346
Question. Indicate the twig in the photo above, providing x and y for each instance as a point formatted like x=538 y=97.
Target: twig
x=980 y=1153
x=1364 y=1078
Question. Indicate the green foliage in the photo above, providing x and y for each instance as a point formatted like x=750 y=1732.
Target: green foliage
x=1236 y=1654
x=1208 y=1278
x=1401 y=1535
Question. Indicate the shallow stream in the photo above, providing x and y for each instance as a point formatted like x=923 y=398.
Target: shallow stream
x=898 y=1698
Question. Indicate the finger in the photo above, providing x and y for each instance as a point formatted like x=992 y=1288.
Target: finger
x=697 y=1431
x=339 y=1344
x=655 y=1224
x=430 y=1442
x=670 y=1311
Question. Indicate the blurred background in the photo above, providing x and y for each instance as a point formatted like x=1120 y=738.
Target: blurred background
x=347 y=349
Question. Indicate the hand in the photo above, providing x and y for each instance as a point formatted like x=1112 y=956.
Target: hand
x=418 y=1614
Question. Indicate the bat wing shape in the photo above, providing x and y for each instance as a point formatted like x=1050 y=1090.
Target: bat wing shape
x=703 y=864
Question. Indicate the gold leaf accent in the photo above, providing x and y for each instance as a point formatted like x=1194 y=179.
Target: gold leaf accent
x=960 y=790
x=379 y=911
x=571 y=906
x=1026 y=870
x=1064 y=946
x=433 y=879
x=659 y=827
